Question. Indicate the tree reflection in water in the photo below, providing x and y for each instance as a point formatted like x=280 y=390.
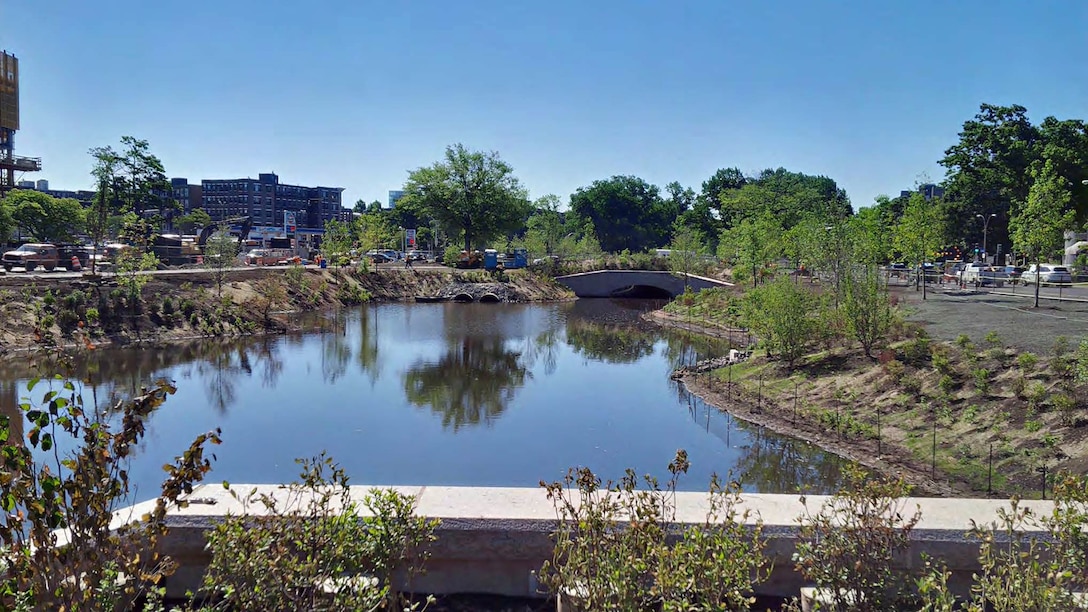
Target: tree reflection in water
x=609 y=343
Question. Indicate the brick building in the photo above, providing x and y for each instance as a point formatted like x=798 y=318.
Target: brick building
x=265 y=199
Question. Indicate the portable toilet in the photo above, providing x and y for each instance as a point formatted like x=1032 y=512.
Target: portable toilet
x=491 y=259
x=521 y=258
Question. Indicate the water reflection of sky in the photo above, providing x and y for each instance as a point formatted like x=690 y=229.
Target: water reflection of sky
x=450 y=394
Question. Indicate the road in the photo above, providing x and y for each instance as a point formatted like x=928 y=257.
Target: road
x=21 y=275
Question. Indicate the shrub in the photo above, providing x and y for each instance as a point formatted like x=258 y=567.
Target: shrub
x=941 y=361
x=964 y=342
x=48 y=321
x=1027 y=361
x=916 y=351
x=911 y=384
x=41 y=572
x=1033 y=425
x=310 y=548
x=611 y=550
x=993 y=339
x=1060 y=348
x=946 y=384
x=1036 y=395
x=167 y=306
x=982 y=380
x=895 y=370
x=1065 y=405
x=846 y=547
x=1018 y=385
x=92 y=315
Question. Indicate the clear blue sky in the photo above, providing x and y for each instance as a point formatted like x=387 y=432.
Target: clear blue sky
x=355 y=94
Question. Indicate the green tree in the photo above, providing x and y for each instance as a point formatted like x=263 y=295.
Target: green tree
x=220 y=253
x=870 y=232
x=46 y=218
x=7 y=222
x=919 y=233
x=751 y=244
x=1037 y=226
x=545 y=228
x=687 y=250
x=193 y=220
x=866 y=307
x=627 y=212
x=471 y=193
x=374 y=231
x=338 y=240
x=784 y=315
x=713 y=189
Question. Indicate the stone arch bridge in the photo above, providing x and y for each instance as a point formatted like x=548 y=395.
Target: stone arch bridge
x=634 y=283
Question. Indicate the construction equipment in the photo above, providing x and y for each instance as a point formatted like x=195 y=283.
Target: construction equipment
x=470 y=259
x=243 y=233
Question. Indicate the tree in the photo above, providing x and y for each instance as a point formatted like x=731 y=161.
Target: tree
x=724 y=180
x=471 y=193
x=338 y=241
x=46 y=218
x=627 y=212
x=686 y=251
x=545 y=228
x=193 y=220
x=784 y=316
x=374 y=231
x=919 y=233
x=1038 y=226
x=220 y=252
x=866 y=307
x=7 y=222
x=752 y=244
x=135 y=176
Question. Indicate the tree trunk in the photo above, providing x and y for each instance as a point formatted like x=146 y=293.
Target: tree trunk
x=1037 y=281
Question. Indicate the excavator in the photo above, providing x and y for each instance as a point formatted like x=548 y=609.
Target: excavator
x=243 y=234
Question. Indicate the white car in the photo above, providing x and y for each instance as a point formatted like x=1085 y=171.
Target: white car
x=982 y=274
x=1048 y=274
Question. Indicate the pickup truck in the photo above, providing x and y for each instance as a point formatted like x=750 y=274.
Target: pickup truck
x=30 y=256
x=983 y=274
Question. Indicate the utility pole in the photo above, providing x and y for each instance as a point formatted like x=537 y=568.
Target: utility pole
x=985 y=229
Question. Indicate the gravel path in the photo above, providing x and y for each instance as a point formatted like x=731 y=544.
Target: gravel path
x=947 y=315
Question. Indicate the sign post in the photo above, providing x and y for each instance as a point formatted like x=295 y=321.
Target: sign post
x=289 y=226
x=411 y=236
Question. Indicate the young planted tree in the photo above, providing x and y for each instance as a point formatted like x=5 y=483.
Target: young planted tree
x=1038 y=225
x=686 y=252
x=220 y=253
x=866 y=307
x=919 y=233
x=752 y=244
x=785 y=317
x=337 y=243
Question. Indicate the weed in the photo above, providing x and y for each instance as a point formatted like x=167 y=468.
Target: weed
x=1033 y=425
x=1027 y=361
x=982 y=380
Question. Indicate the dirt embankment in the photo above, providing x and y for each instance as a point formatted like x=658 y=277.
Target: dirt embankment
x=56 y=312
x=970 y=416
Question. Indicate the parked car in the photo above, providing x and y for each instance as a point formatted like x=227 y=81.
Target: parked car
x=984 y=274
x=1047 y=274
x=378 y=257
x=898 y=270
x=1014 y=273
x=416 y=256
x=30 y=256
x=391 y=254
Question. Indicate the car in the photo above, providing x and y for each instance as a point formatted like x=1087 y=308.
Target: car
x=1014 y=273
x=390 y=254
x=377 y=256
x=416 y=256
x=898 y=270
x=983 y=274
x=30 y=256
x=1047 y=274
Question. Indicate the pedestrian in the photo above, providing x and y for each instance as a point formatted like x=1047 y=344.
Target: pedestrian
x=407 y=263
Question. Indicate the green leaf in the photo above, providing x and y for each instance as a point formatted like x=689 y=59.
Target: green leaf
x=33 y=382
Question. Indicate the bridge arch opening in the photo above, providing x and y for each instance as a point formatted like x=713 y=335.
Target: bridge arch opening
x=643 y=292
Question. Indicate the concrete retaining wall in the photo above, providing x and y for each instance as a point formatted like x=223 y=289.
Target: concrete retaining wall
x=492 y=539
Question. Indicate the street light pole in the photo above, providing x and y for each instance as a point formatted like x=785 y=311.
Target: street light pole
x=985 y=228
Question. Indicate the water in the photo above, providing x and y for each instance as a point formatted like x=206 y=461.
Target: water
x=447 y=394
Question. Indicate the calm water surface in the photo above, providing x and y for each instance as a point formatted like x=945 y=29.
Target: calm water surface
x=448 y=394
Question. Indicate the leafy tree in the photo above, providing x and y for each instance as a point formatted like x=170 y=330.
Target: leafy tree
x=870 y=232
x=627 y=212
x=920 y=231
x=784 y=315
x=46 y=218
x=751 y=244
x=724 y=180
x=7 y=222
x=471 y=193
x=193 y=220
x=374 y=231
x=687 y=250
x=866 y=306
x=220 y=252
x=545 y=228
x=1038 y=225
x=338 y=240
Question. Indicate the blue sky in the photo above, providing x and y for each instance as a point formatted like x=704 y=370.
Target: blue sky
x=356 y=94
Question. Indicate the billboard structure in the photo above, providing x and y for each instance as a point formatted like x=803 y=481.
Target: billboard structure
x=10 y=163
x=9 y=91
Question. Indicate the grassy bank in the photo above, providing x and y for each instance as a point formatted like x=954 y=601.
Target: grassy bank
x=963 y=416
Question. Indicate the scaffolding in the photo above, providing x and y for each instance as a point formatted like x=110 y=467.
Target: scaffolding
x=10 y=163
